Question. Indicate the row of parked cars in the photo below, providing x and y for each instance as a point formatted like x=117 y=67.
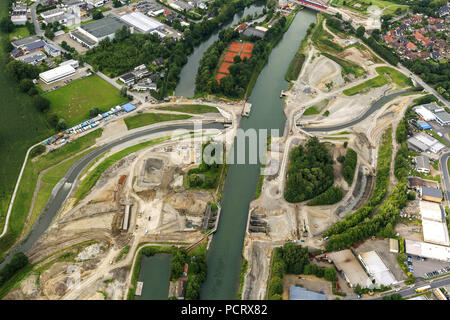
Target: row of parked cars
x=437 y=272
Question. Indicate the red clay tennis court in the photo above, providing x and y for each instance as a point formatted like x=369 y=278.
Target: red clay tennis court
x=245 y=55
x=235 y=47
x=248 y=47
x=220 y=76
x=230 y=55
x=224 y=67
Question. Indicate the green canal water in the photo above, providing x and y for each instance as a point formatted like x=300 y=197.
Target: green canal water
x=155 y=273
x=225 y=253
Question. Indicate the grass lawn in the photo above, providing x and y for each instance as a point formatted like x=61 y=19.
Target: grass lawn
x=363 y=87
x=322 y=39
x=73 y=101
x=19 y=33
x=21 y=126
x=145 y=119
x=310 y=111
x=397 y=77
x=191 y=108
x=28 y=184
x=388 y=7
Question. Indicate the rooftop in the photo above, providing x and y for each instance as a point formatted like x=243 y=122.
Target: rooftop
x=103 y=27
x=431 y=192
x=299 y=293
x=376 y=267
x=427 y=250
x=435 y=232
x=346 y=262
x=422 y=162
x=24 y=41
x=142 y=22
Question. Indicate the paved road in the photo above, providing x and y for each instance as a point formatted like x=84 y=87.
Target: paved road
x=436 y=283
x=444 y=169
x=37 y=27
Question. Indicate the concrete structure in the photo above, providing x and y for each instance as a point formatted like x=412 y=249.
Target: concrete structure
x=393 y=245
x=376 y=268
x=350 y=268
x=126 y=217
x=427 y=250
x=299 y=293
x=52 y=50
x=424 y=142
x=19 y=13
x=141 y=22
x=73 y=63
x=422 y=164
x=435 y=232
x=56 y=74
x=33 y=58
x=431 y=194
x=89 y=35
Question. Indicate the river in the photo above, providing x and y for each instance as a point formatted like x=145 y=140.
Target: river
x=186 y=86
x=224 y=255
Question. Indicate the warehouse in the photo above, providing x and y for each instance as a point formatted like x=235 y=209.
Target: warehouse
x=427 y=250
x=431 y=194
x=89 y=35
x=431 y=211
x=439 y=113
x=422 y=164
x=423 y=142
x=33 y=58
x=141 y=22
x=350 y=268
x=376 y=268
x=435 y=232
x=424 y=113
x=128 y=107
x=56 y=74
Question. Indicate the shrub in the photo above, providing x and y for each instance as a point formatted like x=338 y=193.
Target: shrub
x=39 y=149
x=331 y=196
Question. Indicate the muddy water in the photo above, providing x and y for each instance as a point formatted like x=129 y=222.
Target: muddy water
x=156 y=275
x=224 y=255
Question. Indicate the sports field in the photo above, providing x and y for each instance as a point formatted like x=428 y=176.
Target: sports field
x=73 y=101
x=243 y=49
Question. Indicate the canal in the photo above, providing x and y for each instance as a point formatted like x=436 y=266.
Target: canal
x=155 y=273
x=186 y=85
x=225 y=253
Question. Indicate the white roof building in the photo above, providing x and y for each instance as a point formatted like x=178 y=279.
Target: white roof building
x=435 y=232
x=427 y=250
x=141 y=22
x=350 y=268
x=426 y=114
x=431 y=211
x=376 y=268
x=57 y=74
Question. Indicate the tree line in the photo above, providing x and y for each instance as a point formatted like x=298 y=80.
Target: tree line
x=18 y=261
x=348 y=171
x=310 y=171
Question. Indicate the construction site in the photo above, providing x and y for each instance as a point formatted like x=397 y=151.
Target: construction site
x=339 y=120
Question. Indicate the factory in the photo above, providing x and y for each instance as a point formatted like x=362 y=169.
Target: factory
x=431 y=111
x=56 y=74
x=89 y=35
x=376 y=268
x=433 y=223
x=423 y=142
x=142 y=23
x=350 y=268
x=427 y=250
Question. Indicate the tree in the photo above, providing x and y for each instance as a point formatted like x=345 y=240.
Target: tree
x=49 y=34
x=97 y=15
x=41 y=103
x=52 y=119
x=276 y=286
x=360 y=31
x=6 y=25
x=62 y=125
x=411 y=195
x=123 y=91
x=330 y=274
x=117 y=3
x=94 y=112
x=25 y=85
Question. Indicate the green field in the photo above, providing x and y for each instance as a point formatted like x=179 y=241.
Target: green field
x=28 y=184
x=322 y=39
x=385 y=75
x=397 y=77
x=19 y=33
x=191 y=108
x=310 y=111
x=146 y=119
x=21 y=126
x=388 y=7
x=73 y=101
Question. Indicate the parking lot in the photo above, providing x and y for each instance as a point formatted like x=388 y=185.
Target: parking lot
x=427 y=268
x=444 y=130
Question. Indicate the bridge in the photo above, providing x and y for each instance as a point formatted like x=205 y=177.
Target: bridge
x=318 y=5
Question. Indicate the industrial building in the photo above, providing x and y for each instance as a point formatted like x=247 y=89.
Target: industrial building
x=19 y=13
x=433 y=223
x=376 y=268
x=422 y=164
x=127 y=78
x=423 y=142
x=56 y=74
x=431 y=194
x=33 y=58
x=438 y=113
x=20 y=43
x=299 y=293
x=393 y=245
x=427 y=250
x=74 y=63
x=128 y=107
x=350 y=268
x=142 y=23
x=52 y=50
x=89 y=35
x=253 y=32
